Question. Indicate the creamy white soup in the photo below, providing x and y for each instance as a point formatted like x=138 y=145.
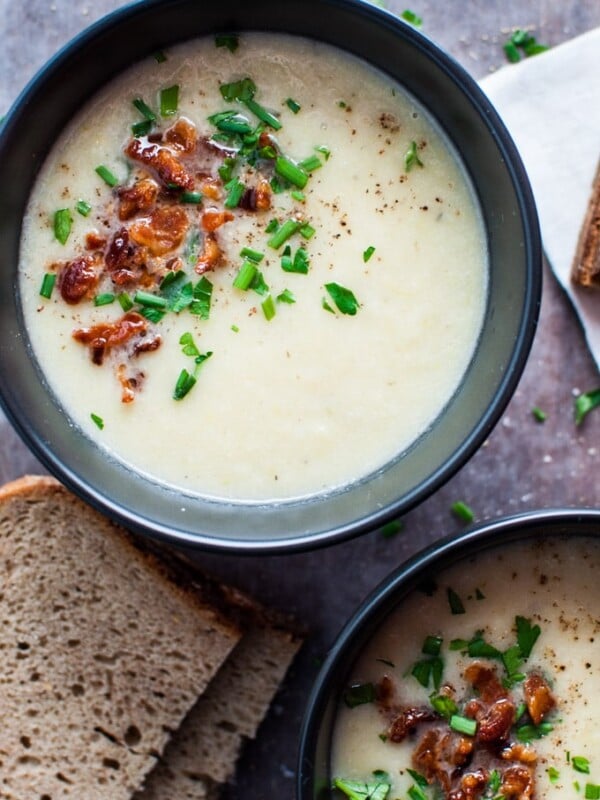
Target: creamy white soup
x=263 y=269
x=483 y=684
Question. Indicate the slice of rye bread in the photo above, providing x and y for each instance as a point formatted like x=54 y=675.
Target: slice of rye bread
x=202 y=754
x=586 y=264
x=101 y=652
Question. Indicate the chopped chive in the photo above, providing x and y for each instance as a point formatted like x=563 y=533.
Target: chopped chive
x=463 y=725
x=62 y=224
x=283 y=233
x=326 y=306
x=230 y=122
x=479 y=648
x=412 y=18
x=235 y=189
x=411 y=157
x=226 y=169
x=153 y=314
x=259 y=284
x=392 y=528
x=293 y=106
x=522 y=42
x=311 y=163
x=104 y=299
x=272 y=226
x=454 y=601
x=432 y=645
x=142 y=128
x=538 y=414
x=83 y=208
x=252 y=255
x=235 y=329
x=419 y=779
x=343 y=298
x=592 y=791
x=553 y=774
x=459 y=644
x=511 y=52
x=286 y=297
x=462 y=511
x=358 y=694
x=241 y=90
x=194 y=198
x=300 y=263
x=581 y=764
x=268 y=307
x=160 y=57
x=47 y=286
x=106 y=175
x=229 y=40
x=585 y=403
x=185 y=383
x=125 y=301
x=299 y=196
x=341 y=104
x=368 y=253
x=278 y=185
x=291 y=172
x=322 y=148
x=144 y=109
x=262 y=114
x=306 y=231
x=169 y=100
x=443 y=705
x=527 y=733
x=150 y=300
x=98 y=421
x=416 y=793
x=494 y=782
x=245 y=276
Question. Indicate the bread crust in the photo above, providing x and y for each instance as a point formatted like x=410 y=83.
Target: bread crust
x=586 y=264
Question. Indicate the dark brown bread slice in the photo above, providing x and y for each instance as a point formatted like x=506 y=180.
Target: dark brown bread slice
x=202 y=754
x=101 y=652
x=586 y=264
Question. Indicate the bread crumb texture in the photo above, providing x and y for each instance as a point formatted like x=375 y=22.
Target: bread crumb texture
x=102 y=654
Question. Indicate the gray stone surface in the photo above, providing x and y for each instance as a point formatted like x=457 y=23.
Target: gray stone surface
x=523 y=465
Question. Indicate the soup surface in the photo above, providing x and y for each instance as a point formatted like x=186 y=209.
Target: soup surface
x=485 y=684
x=270 y=269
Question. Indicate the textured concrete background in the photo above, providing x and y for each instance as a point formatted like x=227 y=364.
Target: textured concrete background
x=523 y=465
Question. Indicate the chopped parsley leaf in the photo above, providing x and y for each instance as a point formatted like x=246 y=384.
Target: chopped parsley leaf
x=343 y=298
x=585 y=403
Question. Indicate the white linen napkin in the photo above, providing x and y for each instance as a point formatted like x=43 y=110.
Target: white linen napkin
x=551 y=106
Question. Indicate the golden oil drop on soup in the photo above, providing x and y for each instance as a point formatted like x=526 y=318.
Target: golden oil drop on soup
x=484 y=684
x=264 y=270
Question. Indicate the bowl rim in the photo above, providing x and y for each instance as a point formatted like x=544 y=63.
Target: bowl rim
x=177 y=533
x=376 y=606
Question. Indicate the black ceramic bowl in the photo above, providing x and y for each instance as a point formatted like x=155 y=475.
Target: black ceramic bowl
x=313 y=775
x=514 y=287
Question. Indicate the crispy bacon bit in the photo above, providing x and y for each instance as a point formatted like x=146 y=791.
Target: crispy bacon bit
x=485 y=682
x=163 y=161
x=107 y=335
x=162 y=231
x=211 y=254
x=77 y=278
x=523 y=753
x=538 y=697
x=213 y=219
x=210 y=188
x=386 y=694
x=407 y=721
x=139 y=197
x=93 y=241
x=130 y=384
x=123 y=259
x=472 y=785
x=496 y=723
x=147 y=345
x=182 y=135
x=517 y=784
x=257 y=198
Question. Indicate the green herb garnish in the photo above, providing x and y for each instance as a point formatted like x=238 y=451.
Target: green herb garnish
x=432 y=645
x=293 y=106
x=283 y=233
x=428 y=670
x=193 y=198
x=235 y=189
x=259 y=285
x=144 y=109
x=443 y=705
x=464 y=725
x=343 y=298
x=553 y=774
x=291 y=171
x=462 y=511
x=527 y=733
x=306 y=231
x=83 y=208
x=286 y=297
x=409 y=16
x=592 y=791
x=229 y=40
x=522 y=43
x=201 y=298
x=268 y=307
x=585 y=403
x=300 y=263
x=98 y=421
x=62 y=224
x=187 y=380
x=150 y=300
x=47 y=287
x=359 y=693
x=456 y=604
x=538 y=414
x=311 y=163
x=104 y=299
x=411 y=157
x=494 y=781
x=368 y=253
x=169 y=100
x=245 y=276
x=160 y=57
x=581 y=764
x=252 y=255
x=243 y=89
x=125 y=301
x=377 y=789
x=392 y=528
x=527 y=635
x=107 y=176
